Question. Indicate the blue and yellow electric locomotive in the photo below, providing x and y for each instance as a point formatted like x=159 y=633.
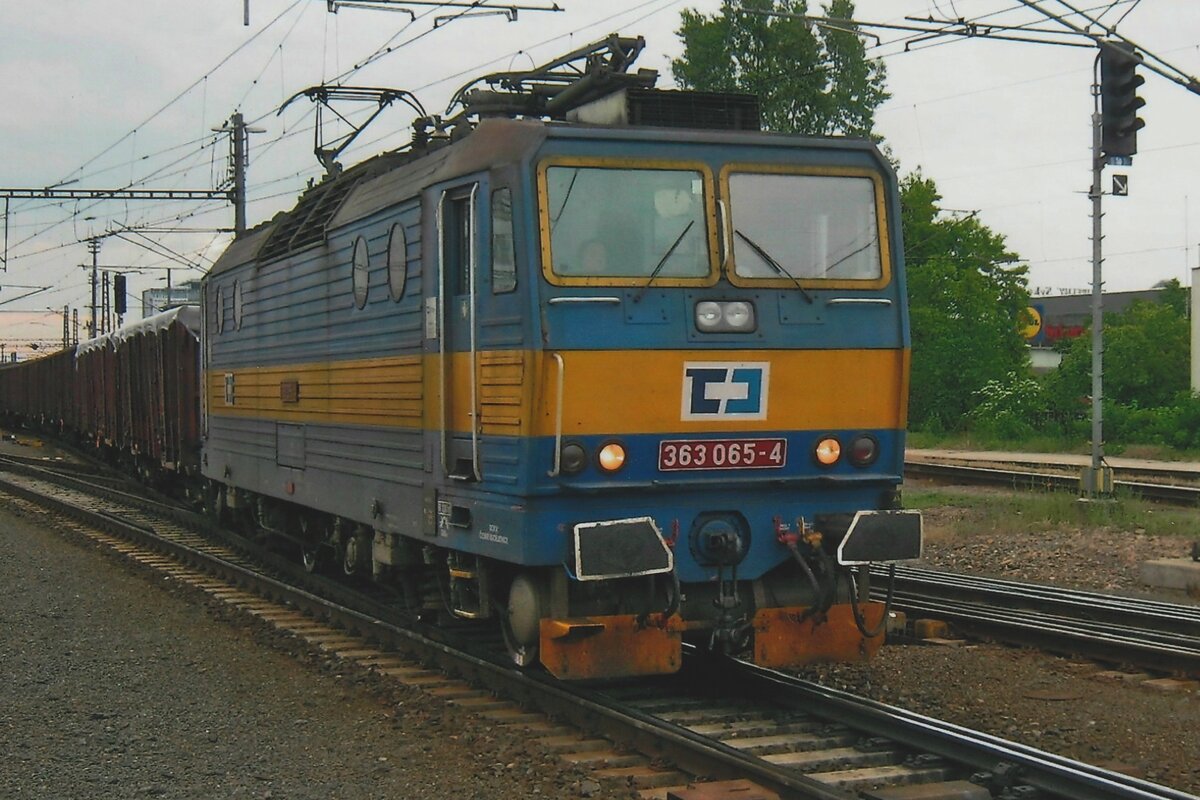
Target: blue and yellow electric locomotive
x=613 y=385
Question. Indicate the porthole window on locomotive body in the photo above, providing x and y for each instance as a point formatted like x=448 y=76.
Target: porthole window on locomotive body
x=397 y=261
x=361 y=272
x=220 y=309
x=237 y=305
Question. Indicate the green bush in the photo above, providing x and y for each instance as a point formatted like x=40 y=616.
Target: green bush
x=1176 y=425
x=1008 y=409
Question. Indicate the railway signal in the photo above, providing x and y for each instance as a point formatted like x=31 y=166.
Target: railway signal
x=1119 y=103
x=120 y=305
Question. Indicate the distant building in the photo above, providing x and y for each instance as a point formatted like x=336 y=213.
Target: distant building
x=157 y=300
x=1068 y=316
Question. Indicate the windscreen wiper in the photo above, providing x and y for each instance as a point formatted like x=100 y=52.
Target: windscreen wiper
x=566 y=199
x=662 y=261
x=773 y=264
x=849 y=255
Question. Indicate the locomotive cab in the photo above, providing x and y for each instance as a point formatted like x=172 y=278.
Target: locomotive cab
x=725 y=368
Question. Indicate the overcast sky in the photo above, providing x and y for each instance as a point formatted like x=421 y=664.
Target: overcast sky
x=106 y=93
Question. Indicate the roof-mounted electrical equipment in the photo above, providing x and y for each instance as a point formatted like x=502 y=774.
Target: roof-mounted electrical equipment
x=555 y=88
x=324 y=96
x=663 y=108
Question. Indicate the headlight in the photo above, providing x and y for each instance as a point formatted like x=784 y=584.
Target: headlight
x=708 y=315
x=572 y=459
x=612 y=457
x=739 y=316
x=725 y=316
x=863 y=450
x=828 y=451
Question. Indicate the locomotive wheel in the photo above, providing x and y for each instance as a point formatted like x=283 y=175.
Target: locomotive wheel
x=357 y=554
x=519 y=621
x=350 y=556
x=521 y=655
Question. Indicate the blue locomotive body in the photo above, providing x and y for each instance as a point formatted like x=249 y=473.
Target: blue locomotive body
x=615 y=386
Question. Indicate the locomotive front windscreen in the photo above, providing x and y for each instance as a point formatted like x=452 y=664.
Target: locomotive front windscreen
x=628 y=224
x=805 y=227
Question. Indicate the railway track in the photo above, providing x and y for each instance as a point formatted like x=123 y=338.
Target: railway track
x=1161 y=637
x=1049 y=480
x=718 y=719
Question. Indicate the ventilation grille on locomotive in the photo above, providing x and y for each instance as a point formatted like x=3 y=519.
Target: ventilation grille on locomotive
x=682 y=109
x=305 y=224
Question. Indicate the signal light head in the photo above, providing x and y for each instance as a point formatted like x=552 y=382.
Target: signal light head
x=1119 y=102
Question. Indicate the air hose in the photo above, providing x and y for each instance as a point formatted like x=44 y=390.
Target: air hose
x=860 y=621
x=812 y=578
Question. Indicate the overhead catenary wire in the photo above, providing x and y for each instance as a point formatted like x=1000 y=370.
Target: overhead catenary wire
x=193 y=152
x=187 y=90
x=207 y=143
x=185 y=163
x=264 y=191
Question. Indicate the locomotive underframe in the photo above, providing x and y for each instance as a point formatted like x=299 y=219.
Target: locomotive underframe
x=795 y=613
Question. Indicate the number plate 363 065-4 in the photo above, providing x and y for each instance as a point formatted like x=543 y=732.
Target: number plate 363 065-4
x=685 y=454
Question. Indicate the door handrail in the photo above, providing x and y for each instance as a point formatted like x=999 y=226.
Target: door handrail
x=558 y=417
x=442 y=323
x=473 y=266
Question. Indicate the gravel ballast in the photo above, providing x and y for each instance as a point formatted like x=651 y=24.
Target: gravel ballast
x=121 y=684
x=1070 y=707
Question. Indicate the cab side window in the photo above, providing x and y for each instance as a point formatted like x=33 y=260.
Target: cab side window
x=504 y=256
x=456 y=233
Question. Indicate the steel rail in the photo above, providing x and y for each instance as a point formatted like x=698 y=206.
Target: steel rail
x=1062 y=777
x=1159 y=636
x=1182 y=472
x=1141 y=612
x=1025 y=480
x=1062 y=635
x=1095 y=606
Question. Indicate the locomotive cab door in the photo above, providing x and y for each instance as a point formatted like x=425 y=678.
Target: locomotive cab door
x=482 y=359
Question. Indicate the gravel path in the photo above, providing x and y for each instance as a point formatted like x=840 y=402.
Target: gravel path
x=118 y=684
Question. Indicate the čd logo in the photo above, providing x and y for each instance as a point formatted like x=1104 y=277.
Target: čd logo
x=725 y=390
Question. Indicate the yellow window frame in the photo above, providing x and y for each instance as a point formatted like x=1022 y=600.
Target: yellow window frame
x=881 y=219
x=710 y=214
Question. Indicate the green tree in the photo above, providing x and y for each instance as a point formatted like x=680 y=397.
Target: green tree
x=966 y=299
x=809 y=79
x=1147 y=350
x=1175 y=295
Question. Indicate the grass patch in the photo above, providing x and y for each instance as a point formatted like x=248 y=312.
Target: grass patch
x=1021 y=513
